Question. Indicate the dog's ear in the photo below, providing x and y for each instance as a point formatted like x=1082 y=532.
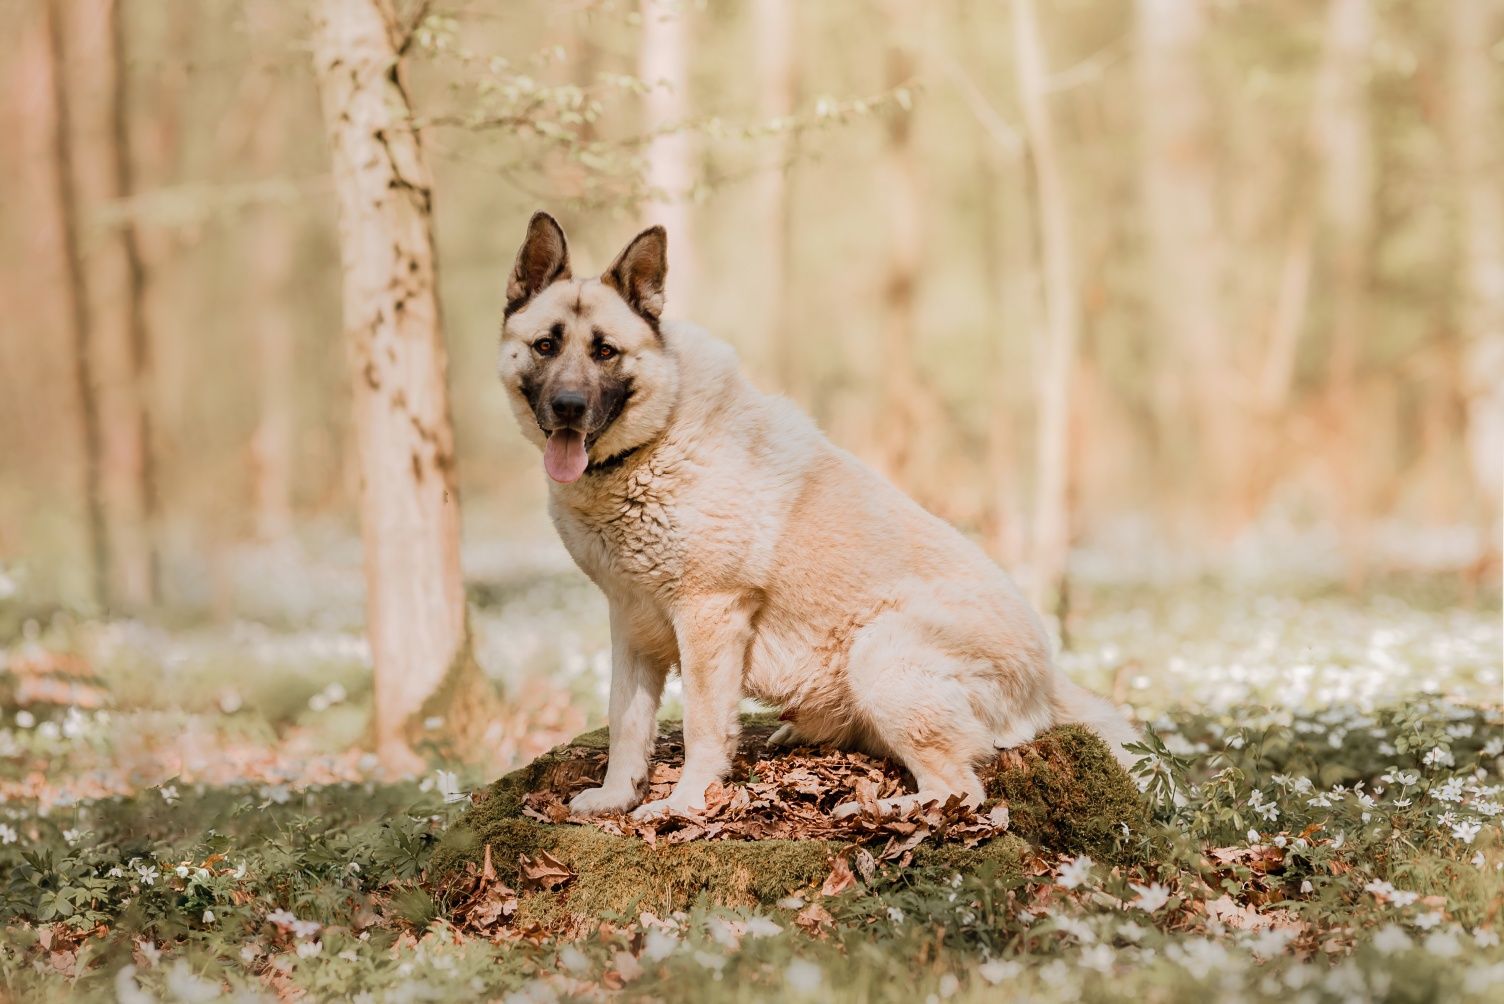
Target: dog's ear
x=542 y=261
x=639 y=272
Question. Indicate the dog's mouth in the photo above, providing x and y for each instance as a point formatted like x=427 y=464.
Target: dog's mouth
x=564 y=455
x=566 y=450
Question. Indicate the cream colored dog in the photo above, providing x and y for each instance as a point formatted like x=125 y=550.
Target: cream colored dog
x=735 y=541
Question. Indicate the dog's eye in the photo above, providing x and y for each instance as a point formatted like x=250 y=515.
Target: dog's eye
x=603 y=352
x=545 y=346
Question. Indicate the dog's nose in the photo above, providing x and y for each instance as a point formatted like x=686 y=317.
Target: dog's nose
x=568 y=406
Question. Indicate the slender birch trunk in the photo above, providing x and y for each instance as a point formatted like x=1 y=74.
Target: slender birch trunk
x=415 y=600
x=80 y=317
x=1051 y=537
x=663 y=64
x=1479 y=162
x=778 y=80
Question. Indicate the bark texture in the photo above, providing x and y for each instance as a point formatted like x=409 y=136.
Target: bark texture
x=415 y=601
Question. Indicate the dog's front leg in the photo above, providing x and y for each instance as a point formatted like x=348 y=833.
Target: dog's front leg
x=636 y=687
x=713 y=635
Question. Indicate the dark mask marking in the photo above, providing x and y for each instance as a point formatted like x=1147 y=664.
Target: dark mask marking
x=615 y=393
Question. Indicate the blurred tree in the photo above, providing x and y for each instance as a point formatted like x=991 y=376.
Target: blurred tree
x=1053 y=369
x=902 y=394
x=1478 y=157
x=778 y=82
x=271 y=249
x=1345 y=146
x=410 y=519
x=1186 y=255
x=663 y=67
x=139 y=567
x=80 y=317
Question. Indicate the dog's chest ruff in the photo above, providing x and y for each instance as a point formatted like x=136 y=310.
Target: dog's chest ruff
x=626 y=527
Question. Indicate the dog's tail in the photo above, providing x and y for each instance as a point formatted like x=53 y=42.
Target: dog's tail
x=1074 y=703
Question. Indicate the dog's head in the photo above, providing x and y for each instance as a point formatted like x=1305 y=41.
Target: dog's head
x=583 y=360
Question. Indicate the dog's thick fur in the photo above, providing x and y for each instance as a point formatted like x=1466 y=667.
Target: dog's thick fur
x=735 y=541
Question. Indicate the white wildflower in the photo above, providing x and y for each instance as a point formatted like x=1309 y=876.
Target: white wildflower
x=762 y=927
x=1391 y=938
x=1443 y=945
x=308 y=949
x=1074 y=872
x=1426 y=921
x=804 y=977
x=1466 y=830
x=1150 y=897
x=659 y=944
x=574 y=961
x=996 y=971
x=1439 y=757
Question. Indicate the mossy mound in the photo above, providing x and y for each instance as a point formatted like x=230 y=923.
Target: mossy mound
x=1064 y=791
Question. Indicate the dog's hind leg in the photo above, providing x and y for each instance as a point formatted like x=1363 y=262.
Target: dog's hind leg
x=915 y=701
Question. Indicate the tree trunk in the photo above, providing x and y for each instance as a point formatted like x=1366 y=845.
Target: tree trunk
x=415 y=600
x=139 y=565
x=778 y=81
x=270 y=247
x=1344 y=144
x=899 y=173
x=663 y=64
x=1051 y=537
x=1178 y=174
x=80 y=317
x=1478 y=162
x=270 y=250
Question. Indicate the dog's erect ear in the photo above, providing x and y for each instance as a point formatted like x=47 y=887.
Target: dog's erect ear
x=542 y=261
x=638 y=273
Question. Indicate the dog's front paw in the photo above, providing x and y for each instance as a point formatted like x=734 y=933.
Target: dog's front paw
x=593 y=801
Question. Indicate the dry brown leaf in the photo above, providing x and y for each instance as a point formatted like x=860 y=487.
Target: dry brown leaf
x=813 y=917
x=840 y=878
x=543 y=872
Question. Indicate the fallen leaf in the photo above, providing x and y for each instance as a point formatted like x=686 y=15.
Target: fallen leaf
x=543 y=872
x=840 y=878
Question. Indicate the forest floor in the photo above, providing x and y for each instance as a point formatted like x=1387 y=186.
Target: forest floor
x=185 y=814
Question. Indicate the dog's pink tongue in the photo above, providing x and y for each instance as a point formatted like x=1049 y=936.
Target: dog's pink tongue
x=564 y=456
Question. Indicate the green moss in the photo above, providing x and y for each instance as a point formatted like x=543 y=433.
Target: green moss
x=1065 y=793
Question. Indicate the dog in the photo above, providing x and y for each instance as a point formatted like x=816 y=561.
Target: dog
x=733 y=540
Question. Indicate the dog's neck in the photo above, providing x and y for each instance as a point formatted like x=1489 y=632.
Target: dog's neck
x=612 y=462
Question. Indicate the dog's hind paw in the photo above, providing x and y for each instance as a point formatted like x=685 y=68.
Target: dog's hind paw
x=593 y=801
x=784 y=738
